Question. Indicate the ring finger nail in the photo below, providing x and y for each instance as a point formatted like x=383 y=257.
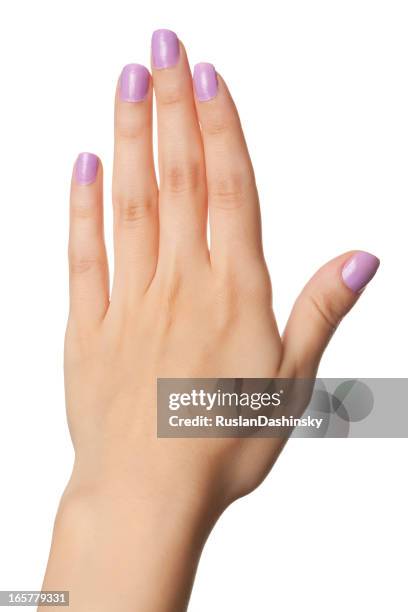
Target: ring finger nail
x=205 y=81
x=134 y=83
x=165 y=49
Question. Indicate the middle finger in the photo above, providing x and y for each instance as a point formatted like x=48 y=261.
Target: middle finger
x=183 y=198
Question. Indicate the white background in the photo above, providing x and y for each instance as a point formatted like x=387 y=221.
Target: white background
x=322 y=89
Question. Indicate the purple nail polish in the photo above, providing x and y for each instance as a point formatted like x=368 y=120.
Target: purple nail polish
x=86 y=168
x=205 y=81
x=165 y=49
x=359 y=270
x=134 y=83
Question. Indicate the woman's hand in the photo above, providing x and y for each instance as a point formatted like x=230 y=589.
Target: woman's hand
x=137 y=509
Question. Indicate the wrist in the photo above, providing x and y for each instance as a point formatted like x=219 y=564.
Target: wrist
x=155 y=504
x=127 y=541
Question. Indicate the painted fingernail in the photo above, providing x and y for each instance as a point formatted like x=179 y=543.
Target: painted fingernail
x=205 y=81
x=134 y=83
x=359 y=270
x=86 y=168
x=165 y=49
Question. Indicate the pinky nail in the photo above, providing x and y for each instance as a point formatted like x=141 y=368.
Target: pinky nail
x=86 y=168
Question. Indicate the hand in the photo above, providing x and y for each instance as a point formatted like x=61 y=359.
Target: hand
x=177 y=309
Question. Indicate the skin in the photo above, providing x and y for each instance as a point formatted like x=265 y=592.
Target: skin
x=137 y=510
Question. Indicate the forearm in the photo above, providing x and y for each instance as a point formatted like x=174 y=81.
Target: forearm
x=126 y=552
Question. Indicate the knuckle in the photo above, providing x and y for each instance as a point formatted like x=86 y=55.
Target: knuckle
x=182 y=178
x=325 y=307
x=80 y=264
x=171 y=95
x=226 y=296
x=129 y=126
x=257 y=287
x=247 y=285
x=131 y=210
x=83 y=210
x=226 y=301
x=218 y=124
x=227 y=193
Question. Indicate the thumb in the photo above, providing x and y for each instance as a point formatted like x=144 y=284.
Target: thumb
x=317 y=312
